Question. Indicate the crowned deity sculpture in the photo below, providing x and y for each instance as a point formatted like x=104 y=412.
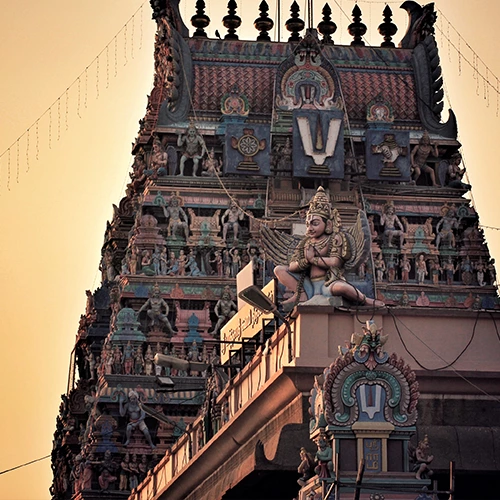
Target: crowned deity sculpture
x=320 y=258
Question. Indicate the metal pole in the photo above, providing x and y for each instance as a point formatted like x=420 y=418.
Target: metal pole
x=359 y=479
x=452 y=480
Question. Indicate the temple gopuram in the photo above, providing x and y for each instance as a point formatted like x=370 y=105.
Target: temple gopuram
x=324 y=180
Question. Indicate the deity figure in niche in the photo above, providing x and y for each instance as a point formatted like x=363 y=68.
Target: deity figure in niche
x=154 y=307
x=231 y=220
x=392 y=225
x=421 y=459
x=450 y=172
x=136 y=416
x=225 y=309
x=480 y=269
x=211 y=166
x=419 y=156
x=321 y=256
x=449 y=270
x=193 y=147
x=380 y=267
x=176 y=217
x=436 y=270
x=158 y=160
x=445 y=227
x=324 y=459
x=421 y=269
x=405 y=266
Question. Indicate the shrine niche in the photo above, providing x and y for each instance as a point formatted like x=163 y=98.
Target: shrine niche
x=247 y=149
x=307 y=80
x=147 y=234
x=387 y=155
x=204 y=230
x=364 y=399
x=379 y=113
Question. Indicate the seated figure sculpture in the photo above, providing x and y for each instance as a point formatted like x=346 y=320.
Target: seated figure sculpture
x=317 y=264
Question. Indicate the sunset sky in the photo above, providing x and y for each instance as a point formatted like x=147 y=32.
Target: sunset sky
x=54 y=215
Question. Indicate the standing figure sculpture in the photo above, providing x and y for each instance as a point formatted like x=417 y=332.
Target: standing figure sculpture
x=154 y=306
x=193 y=147
x=231 y=220
x=419 y=156
x=421 y=269
x=445 y=227
x=136 y=416
x=391 y=223
x=319 y=259
x=225 y=309
x=177 y=218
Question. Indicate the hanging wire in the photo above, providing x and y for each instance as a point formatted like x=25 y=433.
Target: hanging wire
x=448 y=365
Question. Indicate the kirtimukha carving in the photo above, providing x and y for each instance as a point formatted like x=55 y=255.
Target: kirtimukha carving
x=315 y=264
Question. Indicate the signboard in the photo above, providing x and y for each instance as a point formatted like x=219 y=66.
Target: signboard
x=245 y=324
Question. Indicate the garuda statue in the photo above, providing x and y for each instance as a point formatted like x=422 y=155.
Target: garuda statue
x=315 y=264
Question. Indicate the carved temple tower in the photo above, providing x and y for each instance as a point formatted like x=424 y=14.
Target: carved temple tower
x=237 y=138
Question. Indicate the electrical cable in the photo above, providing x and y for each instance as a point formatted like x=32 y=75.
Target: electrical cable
x=24 y=465
x=447 y=365
x=465 y=379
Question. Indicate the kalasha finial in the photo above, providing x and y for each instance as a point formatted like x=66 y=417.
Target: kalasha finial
x=295 y=24
x=264 y=23
x=231 y=21
x=200 y=20
x=387 y=29
x=327 y=27
x=357 y=29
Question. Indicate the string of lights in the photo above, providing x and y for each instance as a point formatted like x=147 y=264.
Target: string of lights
x=75 y=86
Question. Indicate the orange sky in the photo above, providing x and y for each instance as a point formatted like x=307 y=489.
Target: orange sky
x=54 y=219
